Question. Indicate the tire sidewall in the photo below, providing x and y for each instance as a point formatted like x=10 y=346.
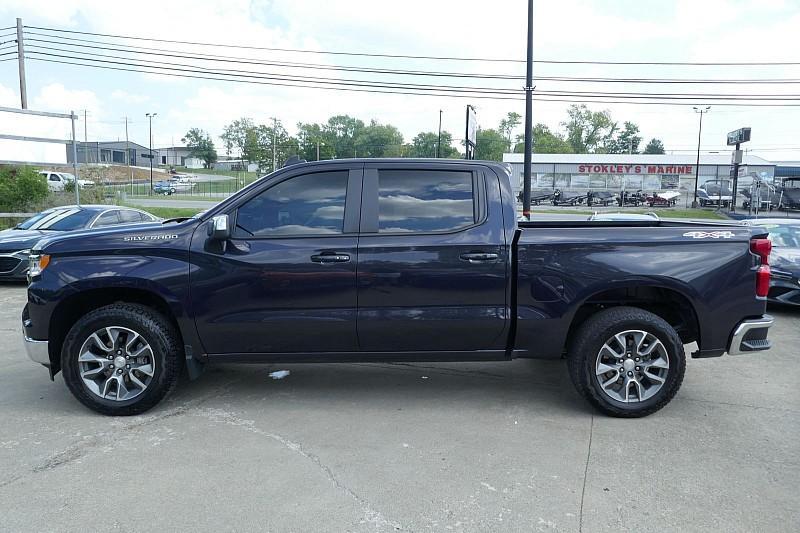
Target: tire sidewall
x=115 y=317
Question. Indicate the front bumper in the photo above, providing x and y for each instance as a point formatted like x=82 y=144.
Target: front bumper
x=38 y=351
x=784 y=290
x=751 y=336
x=13 y=265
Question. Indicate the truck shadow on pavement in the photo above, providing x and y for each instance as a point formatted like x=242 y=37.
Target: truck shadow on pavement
x=533 y=384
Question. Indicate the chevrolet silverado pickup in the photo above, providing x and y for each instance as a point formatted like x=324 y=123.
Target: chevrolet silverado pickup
x=392 y=260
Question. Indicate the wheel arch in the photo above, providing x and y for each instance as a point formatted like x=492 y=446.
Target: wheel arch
x=671 y=304
x=73 y=307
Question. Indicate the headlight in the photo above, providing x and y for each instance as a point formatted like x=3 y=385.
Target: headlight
x=37 y=263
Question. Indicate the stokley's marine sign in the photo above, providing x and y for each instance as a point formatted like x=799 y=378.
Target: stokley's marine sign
x=128 y=238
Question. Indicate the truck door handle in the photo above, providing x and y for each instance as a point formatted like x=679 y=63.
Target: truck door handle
x=479 y=257
x=330 y=258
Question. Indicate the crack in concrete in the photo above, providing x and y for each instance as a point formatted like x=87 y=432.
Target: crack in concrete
x=371 y=515
x=585 y=474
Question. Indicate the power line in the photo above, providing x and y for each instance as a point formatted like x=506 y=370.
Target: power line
x=279 y=77
x=421 y=87
x=130 y=49
x=439 y=93
x=405 y=56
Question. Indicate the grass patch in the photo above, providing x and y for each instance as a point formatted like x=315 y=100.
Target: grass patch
x=170 y=212
x=218 y=172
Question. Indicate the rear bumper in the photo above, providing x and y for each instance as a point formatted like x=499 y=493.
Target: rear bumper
x=751 y=336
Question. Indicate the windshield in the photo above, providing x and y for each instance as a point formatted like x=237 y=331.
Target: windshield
x=784 y=236
x=59 y=220
x=26 y=224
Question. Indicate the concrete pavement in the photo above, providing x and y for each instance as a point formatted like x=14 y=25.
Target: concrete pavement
x=506 y=446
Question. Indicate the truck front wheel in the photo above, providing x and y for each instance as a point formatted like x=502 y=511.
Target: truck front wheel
x=627 y=362
x=121 y=359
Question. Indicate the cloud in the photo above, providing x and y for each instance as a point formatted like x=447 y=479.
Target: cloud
x=129 y=98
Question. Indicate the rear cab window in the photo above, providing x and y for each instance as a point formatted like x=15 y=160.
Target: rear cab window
x=424 y=201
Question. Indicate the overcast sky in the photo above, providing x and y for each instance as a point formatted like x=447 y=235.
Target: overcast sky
x=622 y=30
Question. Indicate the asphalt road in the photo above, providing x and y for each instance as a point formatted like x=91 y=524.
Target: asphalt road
x=422 y=447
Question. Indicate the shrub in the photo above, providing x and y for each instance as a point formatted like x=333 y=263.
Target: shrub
x=21 y=188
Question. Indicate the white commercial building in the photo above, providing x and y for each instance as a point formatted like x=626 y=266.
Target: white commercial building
x=633 y=172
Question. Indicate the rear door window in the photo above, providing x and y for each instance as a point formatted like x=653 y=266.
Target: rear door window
x=109 y=218
x=421 y=201
x=129 y=217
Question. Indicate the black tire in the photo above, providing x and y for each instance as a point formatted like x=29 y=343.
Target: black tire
x=590 y=338
x=154 y=328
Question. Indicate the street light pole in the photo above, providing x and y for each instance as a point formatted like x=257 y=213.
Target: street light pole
x=526 y=185
x=150 y=117
x=697 y=164
x=439 y=142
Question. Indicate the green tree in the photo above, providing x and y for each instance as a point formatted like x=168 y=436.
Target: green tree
x=200 y=146
x=21 y=188
x=241 y=136
x=655 y=146
x=309 y=136
x=508 y=125
x=341 y=131
x=424 y=145
x=490 y=145
x=274 y=136
x=626 y=141
x=545 y=141
x=589 y=131
x=379 y=140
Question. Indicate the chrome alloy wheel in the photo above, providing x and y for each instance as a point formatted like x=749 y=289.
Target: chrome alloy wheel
x=116 y=363
x=632 y=366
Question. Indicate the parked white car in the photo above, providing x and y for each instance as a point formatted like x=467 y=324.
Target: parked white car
x=182 y=182
x=57 y=180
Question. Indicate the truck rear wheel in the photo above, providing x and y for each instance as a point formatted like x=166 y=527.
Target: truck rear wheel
x=627 y=362
x=121 y=359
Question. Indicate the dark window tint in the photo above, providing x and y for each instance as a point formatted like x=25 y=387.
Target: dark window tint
x=109 y=218
x=311 y=204
x=75 y=221
x=421 y=200
x=128 y=217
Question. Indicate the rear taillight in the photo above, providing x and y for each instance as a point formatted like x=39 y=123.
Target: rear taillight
x=762 y=248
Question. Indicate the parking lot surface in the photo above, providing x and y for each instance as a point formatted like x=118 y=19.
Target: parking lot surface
x=505 y=446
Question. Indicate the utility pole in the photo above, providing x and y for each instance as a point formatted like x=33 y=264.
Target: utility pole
x=23 y=90
x=439 y=142
x=85 y=138
x=150 y=116
x=275 y=148
x=72 y=118
x=128 y=153
x=697 y=165
x=317 y=149
x=526 y=186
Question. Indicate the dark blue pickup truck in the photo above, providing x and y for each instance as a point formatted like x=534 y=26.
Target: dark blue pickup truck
x=392 y=260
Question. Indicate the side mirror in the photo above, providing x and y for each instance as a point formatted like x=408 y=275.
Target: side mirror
x=219 y=229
